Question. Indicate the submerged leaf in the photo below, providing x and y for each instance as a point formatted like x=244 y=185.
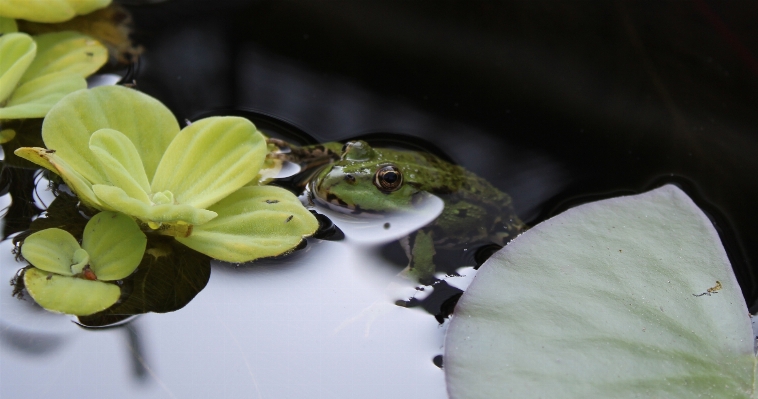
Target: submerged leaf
x=69 y=295
x=623 y=298
x=254 y=222
x=168 y=278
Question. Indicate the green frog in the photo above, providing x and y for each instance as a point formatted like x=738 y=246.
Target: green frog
x=358 y=178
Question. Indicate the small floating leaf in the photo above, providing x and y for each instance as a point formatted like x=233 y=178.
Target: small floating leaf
x=115 y=245
x=598 y=303
x=70 y=295
x=51 y=250
x=253 y=223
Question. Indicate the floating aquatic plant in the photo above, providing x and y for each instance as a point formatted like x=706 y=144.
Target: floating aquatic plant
x=119 y=149
x=49 y=10
x=36 y=72
x=73 y=279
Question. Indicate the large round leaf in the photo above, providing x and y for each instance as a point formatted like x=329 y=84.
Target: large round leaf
x=70 y=295
x=254 y=222
x=211 y=159
x=141 y=118
x=624 y=298
x=17 y=51
x=49 y=10
x=51 y=250
x=115 y=245
x=69 y=52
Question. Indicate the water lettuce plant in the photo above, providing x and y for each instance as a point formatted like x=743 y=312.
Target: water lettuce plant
x=74 y=279
x=122 y=150
x=49 y=10
x=623 y=298
x=36 y=72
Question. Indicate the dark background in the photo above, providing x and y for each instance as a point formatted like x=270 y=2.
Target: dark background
x=556 y=103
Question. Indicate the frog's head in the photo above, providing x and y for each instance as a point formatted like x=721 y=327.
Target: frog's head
x=364 y=179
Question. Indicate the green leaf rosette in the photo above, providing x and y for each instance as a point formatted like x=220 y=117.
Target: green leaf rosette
x=119 y=149
x=49 y=10
x=69 y=278
x=36 y=72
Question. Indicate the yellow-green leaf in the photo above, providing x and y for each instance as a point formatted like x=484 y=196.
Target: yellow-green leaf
x=70 y=295
x=121 y=163
x=141 y=118
x=8 y=25
x=254 y=222
x=17 y=51
x=49 y=10
x=50 y=161
x=66 y=52
x=51 y=250
x=116 y=198
x=210 y=159
x=33 y=99
x=115 y=244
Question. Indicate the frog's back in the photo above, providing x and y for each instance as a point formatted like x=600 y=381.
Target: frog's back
x=475 y=211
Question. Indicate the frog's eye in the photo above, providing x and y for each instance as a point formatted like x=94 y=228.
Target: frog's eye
x=388 y=178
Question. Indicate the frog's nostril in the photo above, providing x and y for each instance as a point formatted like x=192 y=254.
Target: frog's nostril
x=350 y=178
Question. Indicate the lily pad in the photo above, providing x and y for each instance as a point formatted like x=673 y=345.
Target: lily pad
x=622 y=298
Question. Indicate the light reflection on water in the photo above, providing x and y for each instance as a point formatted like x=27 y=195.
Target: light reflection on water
x=320 y=324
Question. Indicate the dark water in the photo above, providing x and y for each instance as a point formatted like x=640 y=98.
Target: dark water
x=555 y=103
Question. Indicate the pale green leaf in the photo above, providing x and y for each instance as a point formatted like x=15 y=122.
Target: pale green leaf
x=49 y=160
x=115 y=245
x=49 y=10
x=67 y=51
x=116 y=198
x=143 y=119
x=254 y=222
x=17 y=51
x=51 y=250
x=607 y=300
x=8 y=25
x=121 y=163
x=211 y=159
x=33 y=99
x=70 y=295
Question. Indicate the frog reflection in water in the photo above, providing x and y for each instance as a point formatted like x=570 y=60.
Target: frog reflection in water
x=365 y=179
